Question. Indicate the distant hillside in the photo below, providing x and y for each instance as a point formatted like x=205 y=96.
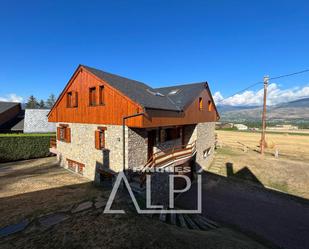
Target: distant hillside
x=294 y=110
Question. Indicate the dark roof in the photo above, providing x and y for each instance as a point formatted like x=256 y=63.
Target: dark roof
x=152 y=98
x=19 y=126
x=4 y=106
x=182 y=95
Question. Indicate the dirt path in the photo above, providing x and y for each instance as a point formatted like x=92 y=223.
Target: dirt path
x=281 y=219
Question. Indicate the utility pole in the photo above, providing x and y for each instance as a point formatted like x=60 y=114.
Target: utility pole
x=262 y=142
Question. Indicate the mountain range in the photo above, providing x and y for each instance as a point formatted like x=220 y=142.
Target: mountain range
x=297 y=110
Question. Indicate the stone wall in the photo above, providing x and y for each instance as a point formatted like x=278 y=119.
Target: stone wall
x=82 y=148
x=36 y=121
x=137 y=148
x=205 y=140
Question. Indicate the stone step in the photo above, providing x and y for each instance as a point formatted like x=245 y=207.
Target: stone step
x=181 y=220
x=208 y=222
x=200 y=223
x=173 y=218
x=191 y=223
x=163 y=216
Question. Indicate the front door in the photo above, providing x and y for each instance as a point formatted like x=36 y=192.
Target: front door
x=151 y=142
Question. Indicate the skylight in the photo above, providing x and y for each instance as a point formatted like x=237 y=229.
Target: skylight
x=173 y=92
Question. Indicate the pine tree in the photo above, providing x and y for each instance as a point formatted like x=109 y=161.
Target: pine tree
x=42 y=104
x=32 y=103
x=50 y=101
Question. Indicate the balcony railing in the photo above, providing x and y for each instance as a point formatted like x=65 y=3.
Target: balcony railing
x=166 y=157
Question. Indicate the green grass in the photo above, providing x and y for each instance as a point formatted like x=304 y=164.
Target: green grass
x=27 y=134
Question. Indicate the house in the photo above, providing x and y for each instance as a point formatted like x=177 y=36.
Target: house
x=241 y=127
x=11 y=117
x=36 y=121
x=107 y=123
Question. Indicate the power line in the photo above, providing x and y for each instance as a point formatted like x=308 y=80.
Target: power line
x=260 y=82
x=290 y=74
x=255 y=84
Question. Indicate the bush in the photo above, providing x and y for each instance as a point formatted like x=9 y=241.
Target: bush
x=15 y=147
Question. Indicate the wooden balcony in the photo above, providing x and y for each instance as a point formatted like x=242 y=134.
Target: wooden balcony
x=176 y=155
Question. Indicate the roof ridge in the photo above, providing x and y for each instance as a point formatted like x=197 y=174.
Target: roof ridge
x=182 y=85
x=117 y=75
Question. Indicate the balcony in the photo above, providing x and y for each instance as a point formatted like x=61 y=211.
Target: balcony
x=173 y=156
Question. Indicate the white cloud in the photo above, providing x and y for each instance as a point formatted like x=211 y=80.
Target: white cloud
x=12 y=97
x=275 y=96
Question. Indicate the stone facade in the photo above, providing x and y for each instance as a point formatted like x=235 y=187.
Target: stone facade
x=137 y=148
x=82 y=148
x=36 y=121
x=205 y=144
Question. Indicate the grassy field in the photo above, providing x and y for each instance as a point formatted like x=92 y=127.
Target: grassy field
x=289 y=173
x=292 y=146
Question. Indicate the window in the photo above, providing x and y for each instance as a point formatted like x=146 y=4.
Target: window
x=76 y=166
x=200 y=104
x=207 y=152
x=101 y=95
x=209 y=106
x=92 y=96
x=64 y=133
x=72 y=100
x=100 y=138
x=69 y=99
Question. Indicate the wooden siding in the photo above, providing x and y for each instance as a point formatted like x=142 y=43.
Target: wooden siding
x=191 y=115
x=116 y=106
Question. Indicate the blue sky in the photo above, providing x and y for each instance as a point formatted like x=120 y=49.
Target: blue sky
x=230 y=44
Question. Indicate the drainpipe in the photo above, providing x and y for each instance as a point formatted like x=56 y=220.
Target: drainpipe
x=124 y=134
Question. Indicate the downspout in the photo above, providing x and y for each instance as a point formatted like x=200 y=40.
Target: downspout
x=123 y=136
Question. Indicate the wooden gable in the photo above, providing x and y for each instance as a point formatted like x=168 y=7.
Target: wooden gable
x=115 y=106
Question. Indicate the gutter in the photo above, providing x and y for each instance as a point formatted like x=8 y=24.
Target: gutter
x=123 y=136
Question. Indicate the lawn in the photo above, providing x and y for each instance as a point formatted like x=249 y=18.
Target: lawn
x=289 y=173
x=35 y=187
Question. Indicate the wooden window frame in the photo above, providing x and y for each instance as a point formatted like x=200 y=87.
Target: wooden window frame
x=92 y=99
x=209 y=106
x=100 y=138
x=69 y=99
x=72 y=99
x=64 y=133
x=200 y=103
x=76 y=166
x=101 y=95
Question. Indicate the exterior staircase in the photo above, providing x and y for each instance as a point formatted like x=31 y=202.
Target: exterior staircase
x=188 y=221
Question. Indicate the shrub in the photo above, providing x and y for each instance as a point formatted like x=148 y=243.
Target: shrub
x=15 y=147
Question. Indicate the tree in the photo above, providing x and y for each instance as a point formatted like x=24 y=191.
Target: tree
x=50 y=101
x=32 y=103
x=42 y=104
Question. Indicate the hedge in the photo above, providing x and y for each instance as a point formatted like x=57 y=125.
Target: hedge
x=15 y=147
